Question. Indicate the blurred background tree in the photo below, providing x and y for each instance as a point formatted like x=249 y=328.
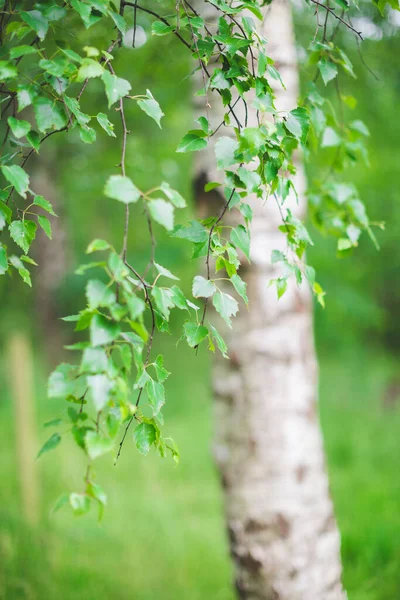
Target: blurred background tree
x=165 y=537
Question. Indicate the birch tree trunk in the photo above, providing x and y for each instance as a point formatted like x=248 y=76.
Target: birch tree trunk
x=268 y=443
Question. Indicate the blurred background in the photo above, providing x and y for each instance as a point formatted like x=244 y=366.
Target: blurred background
x=163 y=533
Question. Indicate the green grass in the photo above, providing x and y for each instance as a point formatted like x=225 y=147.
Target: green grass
x=163 y=534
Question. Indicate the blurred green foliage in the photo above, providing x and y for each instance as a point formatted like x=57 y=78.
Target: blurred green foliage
x=163 y=534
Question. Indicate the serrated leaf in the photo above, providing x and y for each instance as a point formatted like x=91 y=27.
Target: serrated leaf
x=240 y=238
x=195 y=333
x=219 y=341
x=156 y=395
x=23 y=233
x=225 y=149
x=195 y=232
x=18 y=178
x=172 y=195
x=225 y=305
x=108 y=127
x=191 y=143
x=18 y=127
x=89 y=69
x=203 y=288
x=145 y=436
x=240 y=287
x=45 y=225
x=116 y=88
x=298 y=123
x=103 y=331
x=36 y=21
x=151 y=107
x=327 y=69
x=49 y=115
x=162 y=212
x=121 y=188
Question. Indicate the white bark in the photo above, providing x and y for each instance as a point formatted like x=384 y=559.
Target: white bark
x=268 y=444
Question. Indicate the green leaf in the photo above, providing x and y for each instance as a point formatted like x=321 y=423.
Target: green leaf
x=163 y=300
x=225 y=152
x=34 y=139
x=100 y=389
x=191 y=143
x=45 y=225
x=45 y=204
x=162 y=373
x=240 y=238
x=156 y=395
x=195 y=232
x=7 y=70
x=240 y=287
x=121 y=188
x=80 y=504
x=330 y=138
x=36 y=21
x=103 y=331
x=19 y=51
x=106 y=124
x=87 y=134
x=225 y=305
x=145 y=436
x=172 y=195
x=165 y=272
x=3 y=260
x=203 y=288
x=219 y=341
x=151 y=107
x=89 y=68
x=51 y=443
x=298 y=123
x=18 y=127
x=94 y=360
x=162 y=212
x=194 y=333
x=97 y=445
x=62 y=381
x=327 y=69
x=49 y=115
x=116 y=88
x=98 y=294
x=18 y=178
x=160 y=28
x=23 y=233
x=97 y=245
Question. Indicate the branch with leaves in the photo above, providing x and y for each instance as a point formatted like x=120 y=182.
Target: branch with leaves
x=44 y=74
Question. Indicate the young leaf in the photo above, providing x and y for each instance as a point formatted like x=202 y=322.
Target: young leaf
x=195 y=333
x=18 y=178
x=240 y=238
x=97 y=445
x=121 y=188
x=203 y=288
x=145 y=436
x=191 y=143
x=115 y=87
x=50 y=444
x=162 y=212
x=18 y=127
x=151 y=107
x=45 y=225
x=100 y=388
x=225 y=305
x=23 y=233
